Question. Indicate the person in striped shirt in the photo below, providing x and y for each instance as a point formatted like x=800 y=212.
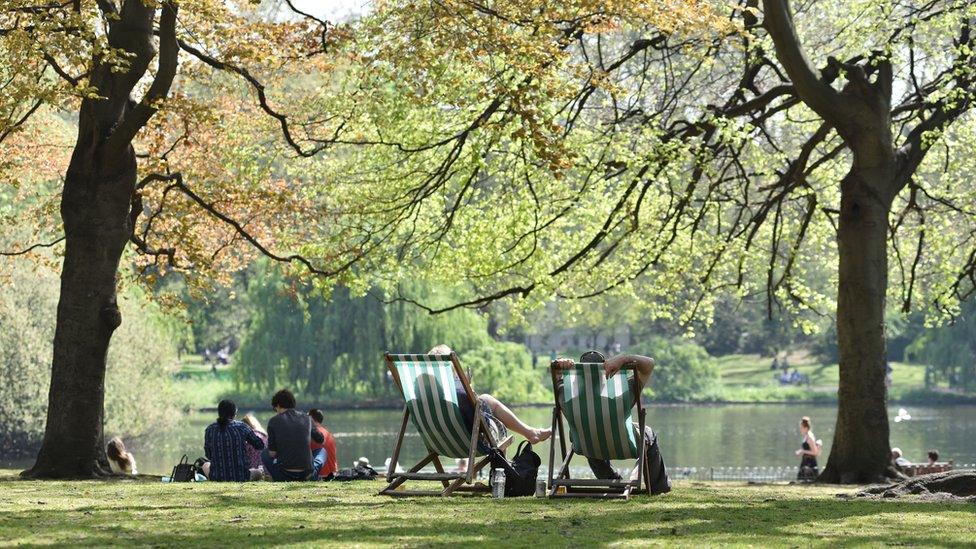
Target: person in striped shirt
x=224 y=444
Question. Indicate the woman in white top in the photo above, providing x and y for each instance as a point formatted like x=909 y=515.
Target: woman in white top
x=120 y=461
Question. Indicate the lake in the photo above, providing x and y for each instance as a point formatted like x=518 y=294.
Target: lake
x=690 y=436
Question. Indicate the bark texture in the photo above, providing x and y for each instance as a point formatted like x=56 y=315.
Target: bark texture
x=860 y=451
x=99 y=207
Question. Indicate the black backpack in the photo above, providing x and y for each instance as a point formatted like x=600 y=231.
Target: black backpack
x=184 y=471
x=521 y=472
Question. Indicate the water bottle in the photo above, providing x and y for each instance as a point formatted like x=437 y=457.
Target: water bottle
x=498 y=483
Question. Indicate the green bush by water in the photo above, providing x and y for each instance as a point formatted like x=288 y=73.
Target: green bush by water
x=141 y=362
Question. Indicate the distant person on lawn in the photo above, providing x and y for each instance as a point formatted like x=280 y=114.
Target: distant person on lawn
x=254 y=454
x=497 y=416
x=654 y=468
x=120 y=462
x=225 y=443
x=288 y=456
x=331 y=464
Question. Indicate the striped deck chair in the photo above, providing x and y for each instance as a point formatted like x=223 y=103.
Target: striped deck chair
x=597 y=412
x=428 y=385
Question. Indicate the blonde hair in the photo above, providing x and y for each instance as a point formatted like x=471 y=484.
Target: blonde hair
x=440 y=350
x=805 y=421
x=252 y=422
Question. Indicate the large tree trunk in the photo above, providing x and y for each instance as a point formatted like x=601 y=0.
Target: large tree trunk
x=99 y=206
x=860 y=451
x=95 y=209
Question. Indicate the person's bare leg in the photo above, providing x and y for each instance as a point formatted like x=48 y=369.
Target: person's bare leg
x=512 y=421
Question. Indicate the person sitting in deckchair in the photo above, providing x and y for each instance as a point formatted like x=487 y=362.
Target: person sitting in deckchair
x=654 y=468
x=497 y=415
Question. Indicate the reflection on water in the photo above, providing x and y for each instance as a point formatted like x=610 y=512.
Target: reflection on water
x=691 y=436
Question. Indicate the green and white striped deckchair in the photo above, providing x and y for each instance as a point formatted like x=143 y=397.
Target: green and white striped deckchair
x=428 y=384
x=598 y=414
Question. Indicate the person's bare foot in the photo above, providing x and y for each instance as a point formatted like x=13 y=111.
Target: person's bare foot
x=539 y=435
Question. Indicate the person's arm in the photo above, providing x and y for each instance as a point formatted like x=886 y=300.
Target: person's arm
x=253 y=439
x=814 y=447
x=561 y=364
x=644 y=366
x=316 y=434
x=272 y=444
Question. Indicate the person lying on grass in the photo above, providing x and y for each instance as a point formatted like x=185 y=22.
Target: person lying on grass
x=496 y=414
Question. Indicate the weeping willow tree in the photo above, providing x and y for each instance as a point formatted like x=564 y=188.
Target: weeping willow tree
x=950 y=351
x=332 y=344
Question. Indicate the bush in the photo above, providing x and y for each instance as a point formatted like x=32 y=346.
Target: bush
x=504 y=369
x=684 y=371
x=142 y=360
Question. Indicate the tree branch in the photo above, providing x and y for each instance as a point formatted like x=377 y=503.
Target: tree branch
x=168 y=60
x=816 y=93
x=32 y=248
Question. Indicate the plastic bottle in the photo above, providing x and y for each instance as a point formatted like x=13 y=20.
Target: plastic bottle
x=498 y=483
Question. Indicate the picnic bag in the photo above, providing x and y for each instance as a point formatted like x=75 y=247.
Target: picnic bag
x=184 y=471
x=521 y=472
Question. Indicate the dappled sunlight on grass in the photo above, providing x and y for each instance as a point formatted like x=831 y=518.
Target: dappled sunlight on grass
x=694 y=514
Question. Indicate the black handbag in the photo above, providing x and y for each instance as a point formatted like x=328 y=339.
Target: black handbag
x=184 y=471
x=521 y=472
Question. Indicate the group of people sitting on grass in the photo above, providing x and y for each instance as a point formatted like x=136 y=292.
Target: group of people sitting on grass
x=296 y=446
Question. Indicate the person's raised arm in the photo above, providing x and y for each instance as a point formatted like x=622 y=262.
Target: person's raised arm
x=643 y=364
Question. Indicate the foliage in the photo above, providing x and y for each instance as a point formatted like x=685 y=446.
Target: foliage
x=332 y=345
x=142 y=360
x=505 y=369
x=692 y=515
x=950 y=350
x=683 y=372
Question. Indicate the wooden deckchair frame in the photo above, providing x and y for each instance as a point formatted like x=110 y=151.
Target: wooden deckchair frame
x=452 y=482
x=593 y=488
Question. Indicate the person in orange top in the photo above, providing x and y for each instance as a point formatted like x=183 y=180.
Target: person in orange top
x=330 y=466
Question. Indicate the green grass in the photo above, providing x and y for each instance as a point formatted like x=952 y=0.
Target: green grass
x=197 y=386
x=747 y=378
x=349 y=514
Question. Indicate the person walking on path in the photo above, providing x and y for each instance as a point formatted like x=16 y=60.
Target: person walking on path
x=808 y=452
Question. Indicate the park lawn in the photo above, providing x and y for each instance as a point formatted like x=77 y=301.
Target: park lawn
x=349 y=514
x=749 y=378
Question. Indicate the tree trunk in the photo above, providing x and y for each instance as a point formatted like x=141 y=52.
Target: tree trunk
x=99 y=207
x=95 y=209
x=860 y=451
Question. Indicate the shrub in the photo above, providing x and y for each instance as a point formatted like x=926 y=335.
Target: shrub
x=141 y=361
x=684 y=371
x=504 y=369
